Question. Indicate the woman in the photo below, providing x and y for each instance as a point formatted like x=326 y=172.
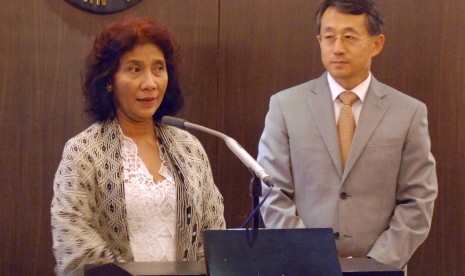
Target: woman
x=129 y=188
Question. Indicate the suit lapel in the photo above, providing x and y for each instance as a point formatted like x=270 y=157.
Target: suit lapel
x=322 y=109
x=373 y=111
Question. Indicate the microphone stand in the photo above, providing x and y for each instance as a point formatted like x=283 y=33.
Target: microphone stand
x=256 y=187
x=256 y=193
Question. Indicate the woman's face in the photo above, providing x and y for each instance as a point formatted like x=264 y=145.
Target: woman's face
x=140 y=83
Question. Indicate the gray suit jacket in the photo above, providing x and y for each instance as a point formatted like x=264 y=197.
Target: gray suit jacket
x=381 y=204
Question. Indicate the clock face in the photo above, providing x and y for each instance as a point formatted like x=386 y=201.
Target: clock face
x=103 y=6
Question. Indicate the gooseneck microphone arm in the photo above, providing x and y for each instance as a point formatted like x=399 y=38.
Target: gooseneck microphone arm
x=258 y=172
x=232 y=144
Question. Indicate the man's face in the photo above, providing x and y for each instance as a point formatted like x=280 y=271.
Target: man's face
x=347 y=47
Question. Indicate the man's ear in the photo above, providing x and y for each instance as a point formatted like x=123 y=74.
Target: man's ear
x=378 y=44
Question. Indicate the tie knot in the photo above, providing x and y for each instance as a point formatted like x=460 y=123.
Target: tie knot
x=348 y=97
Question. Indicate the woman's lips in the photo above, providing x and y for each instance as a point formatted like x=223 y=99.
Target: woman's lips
x=146 y=99
x=149 y=101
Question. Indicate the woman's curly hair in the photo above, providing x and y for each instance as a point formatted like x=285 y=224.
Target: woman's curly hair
x=118 y=38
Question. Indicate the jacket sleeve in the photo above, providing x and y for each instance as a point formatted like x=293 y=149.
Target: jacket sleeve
x=279 y=210
x=417 y=189
x=76 y=241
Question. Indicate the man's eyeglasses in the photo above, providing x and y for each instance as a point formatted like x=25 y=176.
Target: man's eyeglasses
x=347 y=39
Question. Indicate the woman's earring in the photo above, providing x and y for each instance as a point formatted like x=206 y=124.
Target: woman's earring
x=109 y=88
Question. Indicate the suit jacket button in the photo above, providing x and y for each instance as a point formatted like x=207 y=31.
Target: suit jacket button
x=343 y=195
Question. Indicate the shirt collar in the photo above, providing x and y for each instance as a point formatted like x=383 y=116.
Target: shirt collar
x=360 y=90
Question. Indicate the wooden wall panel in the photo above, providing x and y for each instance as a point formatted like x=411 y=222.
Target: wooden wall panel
x=265 y=46
x=42 y=49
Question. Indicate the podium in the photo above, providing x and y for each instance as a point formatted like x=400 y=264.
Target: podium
x=151 y=268
x=350 y=267
x=366 y=266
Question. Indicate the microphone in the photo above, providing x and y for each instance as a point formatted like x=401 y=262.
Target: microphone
x=234 y=146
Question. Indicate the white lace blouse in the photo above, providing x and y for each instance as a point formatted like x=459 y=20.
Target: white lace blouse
x=150 y=206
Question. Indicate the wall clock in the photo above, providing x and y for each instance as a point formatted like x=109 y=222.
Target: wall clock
x=103 y=6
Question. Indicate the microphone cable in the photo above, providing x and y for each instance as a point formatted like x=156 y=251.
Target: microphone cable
x=254 y=211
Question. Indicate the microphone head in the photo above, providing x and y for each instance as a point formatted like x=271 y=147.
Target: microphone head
x=173 y=121
x=268 y=181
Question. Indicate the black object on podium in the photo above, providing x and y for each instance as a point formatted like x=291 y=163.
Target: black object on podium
x=258 y=252
x=309 y=251
x=350 y=267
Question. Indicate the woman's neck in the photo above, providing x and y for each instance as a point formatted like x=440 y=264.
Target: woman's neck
x=138 y=130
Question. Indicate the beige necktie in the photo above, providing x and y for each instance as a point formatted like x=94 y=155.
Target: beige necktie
x=346 y=123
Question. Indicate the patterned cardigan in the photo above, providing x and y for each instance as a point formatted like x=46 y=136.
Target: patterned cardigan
x=88 y=214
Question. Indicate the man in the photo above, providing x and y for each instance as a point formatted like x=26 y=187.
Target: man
x=376 y=189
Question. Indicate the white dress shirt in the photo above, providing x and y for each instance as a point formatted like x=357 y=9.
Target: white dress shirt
x=361 y=91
